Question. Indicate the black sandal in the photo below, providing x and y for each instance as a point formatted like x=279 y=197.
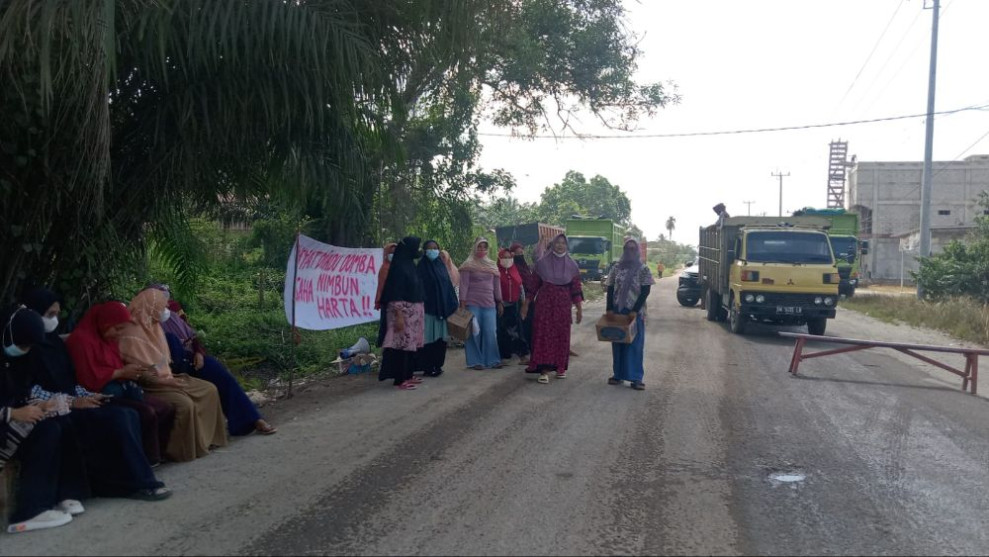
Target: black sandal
x=613 y=381
x=639 y=386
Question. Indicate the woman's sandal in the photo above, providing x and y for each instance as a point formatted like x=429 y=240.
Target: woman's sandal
x=264 y=428
x=638 y=385
x=544 y=379
x=416 y=380
x=613 y=381
x=406 y=386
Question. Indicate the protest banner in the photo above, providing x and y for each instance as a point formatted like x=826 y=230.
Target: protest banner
x=329 y=287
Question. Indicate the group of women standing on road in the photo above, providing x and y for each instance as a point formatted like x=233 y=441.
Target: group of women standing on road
x=519 y=310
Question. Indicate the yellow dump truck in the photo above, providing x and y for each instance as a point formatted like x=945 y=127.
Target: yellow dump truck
x=769 y=270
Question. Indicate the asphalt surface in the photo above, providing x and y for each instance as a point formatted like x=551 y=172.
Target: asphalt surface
x=724 y=453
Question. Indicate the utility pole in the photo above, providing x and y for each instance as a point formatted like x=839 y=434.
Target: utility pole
x=925 y=190
x=780 y=175
x=748 y=205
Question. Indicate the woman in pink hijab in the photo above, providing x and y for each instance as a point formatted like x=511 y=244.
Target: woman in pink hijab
x=555 y=289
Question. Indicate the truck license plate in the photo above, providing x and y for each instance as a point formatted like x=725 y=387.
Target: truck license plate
x=789 y=309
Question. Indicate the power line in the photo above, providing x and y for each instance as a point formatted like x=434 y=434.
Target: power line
x=873 y=51
x=734 y=132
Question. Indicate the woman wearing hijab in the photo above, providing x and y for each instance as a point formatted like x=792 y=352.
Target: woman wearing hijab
x=52 y=480
x=528 y=284
x=401 y=332
x=189 y=356
x=199 y=423
x=629 y=283
x=110 y=434
x=95 y=353
x=440 y=302
x=511 y=338
x=480 y=292
x=557 y=288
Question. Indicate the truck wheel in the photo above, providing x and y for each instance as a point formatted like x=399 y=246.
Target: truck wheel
x=736 y=321
x=686 y=301
x=817 y=326
x=713 y=306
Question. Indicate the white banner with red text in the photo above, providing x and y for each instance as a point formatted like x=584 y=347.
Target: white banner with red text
x=334 y=287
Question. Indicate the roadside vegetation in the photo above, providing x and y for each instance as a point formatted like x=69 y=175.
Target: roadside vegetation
x=955 y=284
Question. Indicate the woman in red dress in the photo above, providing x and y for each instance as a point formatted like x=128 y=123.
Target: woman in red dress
x=556 y=288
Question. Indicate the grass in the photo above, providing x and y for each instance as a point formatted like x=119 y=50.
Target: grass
x=962 y=318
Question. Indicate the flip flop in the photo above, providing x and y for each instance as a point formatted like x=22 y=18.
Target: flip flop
x=266 y=429
x=158 y=494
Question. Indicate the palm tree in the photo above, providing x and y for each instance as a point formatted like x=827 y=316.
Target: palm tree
x=671 y=223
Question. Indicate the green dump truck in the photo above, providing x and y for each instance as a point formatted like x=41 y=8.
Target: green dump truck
x=595 y=244
x=848 y=250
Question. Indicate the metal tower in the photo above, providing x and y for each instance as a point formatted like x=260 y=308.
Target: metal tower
x=837 y=166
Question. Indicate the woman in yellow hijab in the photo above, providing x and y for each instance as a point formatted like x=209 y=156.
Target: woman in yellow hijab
x=199 y=423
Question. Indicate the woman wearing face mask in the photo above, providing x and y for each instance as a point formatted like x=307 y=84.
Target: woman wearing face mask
x=480 y=292
x=199 y=423
x=557 y=289
x=440 y=302
x=95 y=353
x=401 y=330
x=111 y=434
x=51 y=482
x=511 y=338
x=629 y=283
x=189 y=356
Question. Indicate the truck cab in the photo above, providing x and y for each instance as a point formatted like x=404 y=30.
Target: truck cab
x=780 y=274
x=595 y=244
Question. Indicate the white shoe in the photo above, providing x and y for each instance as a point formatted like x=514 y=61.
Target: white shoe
x=70 y=506
x=47 y=519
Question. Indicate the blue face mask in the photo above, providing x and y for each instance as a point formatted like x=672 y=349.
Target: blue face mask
x=432 y=254
x=14 y=351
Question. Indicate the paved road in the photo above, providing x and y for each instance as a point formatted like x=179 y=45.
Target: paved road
x=894 y=459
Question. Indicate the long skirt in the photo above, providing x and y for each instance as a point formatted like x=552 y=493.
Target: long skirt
x=551 y=328
x=241 y=413
x=111 y=441
x=397 y=365
x=157 y=419
x=431 y=357
x=511 y=334
x=52 y=469
x=627 y=358
x=199 y=422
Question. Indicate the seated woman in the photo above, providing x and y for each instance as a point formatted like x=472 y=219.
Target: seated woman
x=52 y=480
x=95 y=354
x=111 y=434
x=199 y=423
x=189 y=356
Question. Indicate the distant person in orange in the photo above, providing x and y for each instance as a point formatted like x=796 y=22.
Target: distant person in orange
x=383 y=273
x=659 y=270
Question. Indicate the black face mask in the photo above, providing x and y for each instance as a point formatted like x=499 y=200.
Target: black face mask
x=519 y=258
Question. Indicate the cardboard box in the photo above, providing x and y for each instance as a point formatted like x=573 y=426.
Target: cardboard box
x=616 y=328
x=459 y=324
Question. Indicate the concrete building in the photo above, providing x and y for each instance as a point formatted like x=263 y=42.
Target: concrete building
x=887 y=196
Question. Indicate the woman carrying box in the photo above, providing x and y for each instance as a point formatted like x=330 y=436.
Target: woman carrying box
x=629 y=283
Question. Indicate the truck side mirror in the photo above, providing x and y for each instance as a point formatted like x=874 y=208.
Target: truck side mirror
x=864 y=246
x=607 y=245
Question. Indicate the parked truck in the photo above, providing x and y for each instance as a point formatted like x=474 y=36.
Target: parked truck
x=535 y=236
x=848 y=250
x=595 y=244
x=762 y=270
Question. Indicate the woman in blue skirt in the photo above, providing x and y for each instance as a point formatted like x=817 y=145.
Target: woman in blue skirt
x=629 y=283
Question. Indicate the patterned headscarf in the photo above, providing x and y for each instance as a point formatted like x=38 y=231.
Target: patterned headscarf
x=475 y=264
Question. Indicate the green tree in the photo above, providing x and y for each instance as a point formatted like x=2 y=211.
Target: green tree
x=576 y=195
x=671 y=223
x=962 y=269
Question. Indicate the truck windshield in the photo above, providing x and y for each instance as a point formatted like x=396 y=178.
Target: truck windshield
x=586 y=245
x=788 y=247
x=844 y=248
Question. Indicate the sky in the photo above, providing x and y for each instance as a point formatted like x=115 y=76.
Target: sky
x=742 y=65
